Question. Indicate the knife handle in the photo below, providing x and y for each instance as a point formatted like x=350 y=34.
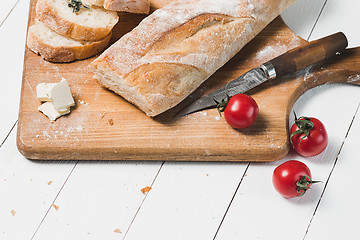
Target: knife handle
x=303 y=56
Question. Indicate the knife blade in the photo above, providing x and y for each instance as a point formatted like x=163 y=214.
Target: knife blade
x=241 y=84
x=289 y=62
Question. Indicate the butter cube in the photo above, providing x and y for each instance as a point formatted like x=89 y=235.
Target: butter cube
x=43 y=90
x=61 y=97
x=49 y=110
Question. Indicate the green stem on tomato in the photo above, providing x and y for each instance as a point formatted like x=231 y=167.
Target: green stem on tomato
x=305 y=125
x=223 y=103
x=303 y=184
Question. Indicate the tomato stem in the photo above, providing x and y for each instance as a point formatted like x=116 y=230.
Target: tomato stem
x=224 y=102
x=222 y=105
x=304 y=124
x=304 y=184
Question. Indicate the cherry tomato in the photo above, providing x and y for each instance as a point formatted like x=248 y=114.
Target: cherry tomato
x=241 y=111
x=292 y=179
x=308 y=136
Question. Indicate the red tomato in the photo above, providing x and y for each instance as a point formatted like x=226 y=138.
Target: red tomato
x=241 y=111
x=292 y=179
x=308 y=136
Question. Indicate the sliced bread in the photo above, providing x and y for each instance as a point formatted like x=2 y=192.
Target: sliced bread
x=54 y=47
x=132 y=6
x=84 y=23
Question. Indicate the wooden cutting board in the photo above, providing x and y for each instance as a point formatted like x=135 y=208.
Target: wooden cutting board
x=103 y=126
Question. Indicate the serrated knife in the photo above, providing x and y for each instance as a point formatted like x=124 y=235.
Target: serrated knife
x=289 y=62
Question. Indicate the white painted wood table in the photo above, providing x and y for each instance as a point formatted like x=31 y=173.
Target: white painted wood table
x=188 y=200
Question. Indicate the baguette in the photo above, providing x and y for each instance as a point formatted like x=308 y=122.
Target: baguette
x=90 y=24
x=137 y=6
x=172 y=51
x=57 y=48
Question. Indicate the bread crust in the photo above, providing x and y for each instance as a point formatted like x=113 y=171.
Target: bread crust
x=48 y=15
x=132 y=6
x=170 y=53
x=62 y=54
x=139 y=6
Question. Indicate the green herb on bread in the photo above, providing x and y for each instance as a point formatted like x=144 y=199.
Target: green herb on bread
x=76 y=5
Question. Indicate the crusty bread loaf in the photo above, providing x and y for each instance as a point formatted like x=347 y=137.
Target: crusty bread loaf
x=89 y=24
x=171 y=52
x=133 y=6
x=57 y=48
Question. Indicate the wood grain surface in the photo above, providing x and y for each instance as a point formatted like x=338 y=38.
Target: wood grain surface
x=103 y=126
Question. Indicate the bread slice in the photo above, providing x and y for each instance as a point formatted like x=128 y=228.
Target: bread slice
x=54 y=47
x=175 y=49
x=132 y=6
x=89 y=24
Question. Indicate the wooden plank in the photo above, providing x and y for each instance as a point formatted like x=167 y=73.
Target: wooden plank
x=188 y=201
x=6 y=7
x=339 y=16
x=339 y=220
x=27 y=190
x=12 y=45
x=338 y=214
x=301 y=16
x=257 y=206
x=99 y=201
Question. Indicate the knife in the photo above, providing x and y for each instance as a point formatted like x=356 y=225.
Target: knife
x=289 y=62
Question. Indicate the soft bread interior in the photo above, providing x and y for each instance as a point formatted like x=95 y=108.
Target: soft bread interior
x=57 y=48
x=116 y=83
x=134 y=6
x=96 y=17
x=94 y=2
x=49 y=37
x=177 y=81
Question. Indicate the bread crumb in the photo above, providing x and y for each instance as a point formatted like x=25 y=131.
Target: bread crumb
x=111 y=121
x=83 y=102
x=56 y=207
x=50 y=182
x=102 y=115
x=117 y=230
x=13 y=212
x=146 y=189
